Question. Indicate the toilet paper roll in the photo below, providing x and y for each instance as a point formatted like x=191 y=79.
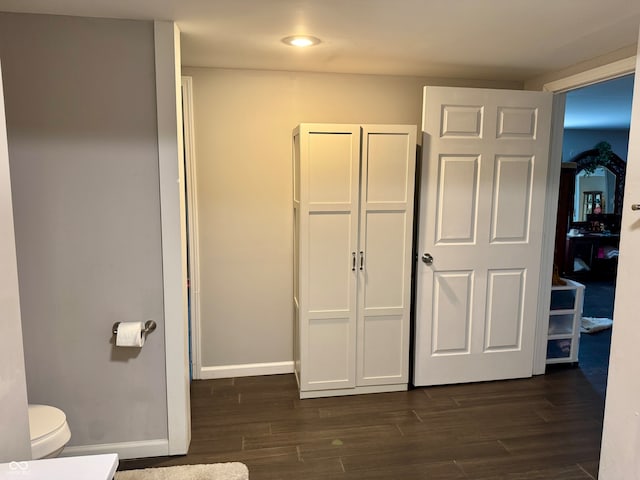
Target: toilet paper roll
x=130 y=334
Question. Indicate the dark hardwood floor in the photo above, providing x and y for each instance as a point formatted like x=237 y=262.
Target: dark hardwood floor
x=548 y=427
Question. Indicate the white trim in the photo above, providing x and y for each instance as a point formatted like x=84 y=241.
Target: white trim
x=172 y=218
x=141 y=449
x=605 y=72
x=246 y=370
x=192 y=214
x=595 y=75
x=548 y=234
x=14 y=444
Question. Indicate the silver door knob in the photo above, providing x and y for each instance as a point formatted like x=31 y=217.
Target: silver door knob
x=635 y=206
x=427 y=258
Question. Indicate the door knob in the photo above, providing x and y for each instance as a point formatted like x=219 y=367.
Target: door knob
x=427 y=258
x=635 y=206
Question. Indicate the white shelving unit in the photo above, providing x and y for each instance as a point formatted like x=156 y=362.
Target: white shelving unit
x=565 y=315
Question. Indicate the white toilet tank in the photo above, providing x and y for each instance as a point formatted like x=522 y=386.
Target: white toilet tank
x=49 y=431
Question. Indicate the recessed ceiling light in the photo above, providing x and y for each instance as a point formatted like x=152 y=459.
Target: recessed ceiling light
x=301 y=40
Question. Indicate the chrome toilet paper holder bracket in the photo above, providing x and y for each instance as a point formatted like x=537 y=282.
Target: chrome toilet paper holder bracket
x=149 y=326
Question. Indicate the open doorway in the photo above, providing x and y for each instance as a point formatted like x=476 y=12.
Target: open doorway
x=594 y=154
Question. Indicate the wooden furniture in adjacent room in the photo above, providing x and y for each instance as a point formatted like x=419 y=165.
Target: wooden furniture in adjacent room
x=593 y=253
x=588 y=232
x=565 y=213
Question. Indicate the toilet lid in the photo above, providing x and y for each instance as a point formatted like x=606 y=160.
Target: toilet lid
x=48 y=428
x=44 y=419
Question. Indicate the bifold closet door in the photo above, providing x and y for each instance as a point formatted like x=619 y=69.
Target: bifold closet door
x=329 y=178
x=386 y=226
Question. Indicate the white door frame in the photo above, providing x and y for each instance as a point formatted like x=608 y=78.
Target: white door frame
x=14 y=444
x=559 y=87
x=192 y=224
x=172 y=221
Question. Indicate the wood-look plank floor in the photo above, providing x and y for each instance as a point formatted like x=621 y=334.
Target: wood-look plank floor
x=548 y=427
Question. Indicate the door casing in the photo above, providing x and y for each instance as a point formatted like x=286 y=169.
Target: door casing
x=559 y=87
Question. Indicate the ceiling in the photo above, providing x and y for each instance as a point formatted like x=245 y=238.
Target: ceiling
x=513 y=40
x=468 y=39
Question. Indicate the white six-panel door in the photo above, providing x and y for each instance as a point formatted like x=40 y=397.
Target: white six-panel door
x=485 y=156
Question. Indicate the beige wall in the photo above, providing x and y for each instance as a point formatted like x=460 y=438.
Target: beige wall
x=243 y=122
x=83 y=149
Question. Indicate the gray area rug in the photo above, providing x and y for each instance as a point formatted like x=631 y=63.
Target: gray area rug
x=213 y=471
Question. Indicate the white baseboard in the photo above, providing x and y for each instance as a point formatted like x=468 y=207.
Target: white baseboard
x=125 y=450
x=246 y=370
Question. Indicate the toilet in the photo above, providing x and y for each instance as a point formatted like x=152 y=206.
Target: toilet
x=49 y=431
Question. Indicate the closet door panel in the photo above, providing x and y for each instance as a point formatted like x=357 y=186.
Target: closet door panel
x=383 y=304
x=329 y=348
x=385 y=242
x=387 y=179
x=329 y=272
x=331 y=168
x=380 y=359
x=384 y=288
x=329 y=195
x=330 y=335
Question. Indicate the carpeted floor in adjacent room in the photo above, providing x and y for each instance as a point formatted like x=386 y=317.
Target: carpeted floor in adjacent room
x=595 y=347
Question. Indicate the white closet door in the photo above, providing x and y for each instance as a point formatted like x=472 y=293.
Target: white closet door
x=329 y=176
x=384 y=254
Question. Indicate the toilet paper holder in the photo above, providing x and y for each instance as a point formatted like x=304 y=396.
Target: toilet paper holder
x=149 y=326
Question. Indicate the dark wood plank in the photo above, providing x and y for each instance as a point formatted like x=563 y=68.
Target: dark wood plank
x=546 y=427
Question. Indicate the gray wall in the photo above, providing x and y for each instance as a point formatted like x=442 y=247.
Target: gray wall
x=14 y=434
x=243 y=123
x=83 y=149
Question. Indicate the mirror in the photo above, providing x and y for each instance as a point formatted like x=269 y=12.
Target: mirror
x=594 y=193
x=600 y=191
